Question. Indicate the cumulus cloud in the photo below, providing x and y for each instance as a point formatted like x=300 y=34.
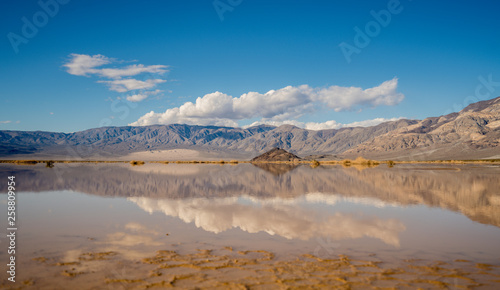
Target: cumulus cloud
x=342 y=98
x=332 y=124
x=372 y=122
x=173 y=116
x=275 y=106
x=87 y=65
x=5 y=122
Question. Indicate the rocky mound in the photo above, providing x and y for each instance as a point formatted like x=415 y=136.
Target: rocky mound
x=276 y=154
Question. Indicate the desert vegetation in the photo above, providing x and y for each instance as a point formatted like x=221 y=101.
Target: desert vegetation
x=315 y=163
x=201 y=162
x=26 y=162
x=360 y=161
x=49 y=164
x=32 y=162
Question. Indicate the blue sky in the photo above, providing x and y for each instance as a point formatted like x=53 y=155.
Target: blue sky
x=428 y=59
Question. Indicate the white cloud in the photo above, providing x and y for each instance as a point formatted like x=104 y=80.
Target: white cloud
x=277 y=123
x=332 y=124
x=142 y=96
x=342 y=98
x=173 y=116
x=5 y=122
x=275 y=106
x=137 y=97
x=372 y=122
x=132 y=70
x=83 y=65
x=87 y=65
x=125 y=85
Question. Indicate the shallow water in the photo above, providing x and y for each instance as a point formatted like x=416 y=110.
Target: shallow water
x=104 y=220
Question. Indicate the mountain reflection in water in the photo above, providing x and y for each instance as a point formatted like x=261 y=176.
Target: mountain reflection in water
x=89 y=225
x=470 y=190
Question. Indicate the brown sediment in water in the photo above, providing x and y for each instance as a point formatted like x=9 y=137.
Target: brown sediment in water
x=255 y=269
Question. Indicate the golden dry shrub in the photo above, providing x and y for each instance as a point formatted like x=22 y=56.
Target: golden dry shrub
x=315 y=163
x=26 y=162
x=346 y=162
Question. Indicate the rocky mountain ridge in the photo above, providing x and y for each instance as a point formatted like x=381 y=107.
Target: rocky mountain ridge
x=472 y=133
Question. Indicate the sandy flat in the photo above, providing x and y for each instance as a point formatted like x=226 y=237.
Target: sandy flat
x=182 y=154
x=173 y=154
x=150 y=155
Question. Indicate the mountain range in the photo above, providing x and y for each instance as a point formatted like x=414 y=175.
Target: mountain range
x=472 y=133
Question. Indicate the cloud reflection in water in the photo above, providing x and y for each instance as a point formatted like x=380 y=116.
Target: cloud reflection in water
x=291 y=218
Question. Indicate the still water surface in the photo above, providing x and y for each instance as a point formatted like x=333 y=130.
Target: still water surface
x=113 y=216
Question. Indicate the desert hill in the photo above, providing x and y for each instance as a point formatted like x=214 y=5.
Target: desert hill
x=276 y=154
